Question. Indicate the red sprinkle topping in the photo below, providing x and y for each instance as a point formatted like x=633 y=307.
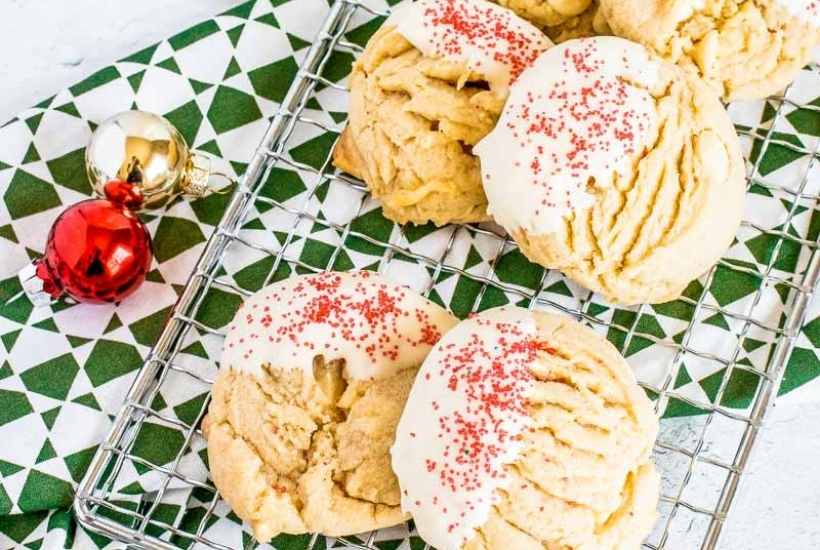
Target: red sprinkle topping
x=366 y=315
x=491 y=372
x=465 y=28
x=585 y=121
x=813 y=12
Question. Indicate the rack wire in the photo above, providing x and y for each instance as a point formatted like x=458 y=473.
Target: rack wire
x=701 y=457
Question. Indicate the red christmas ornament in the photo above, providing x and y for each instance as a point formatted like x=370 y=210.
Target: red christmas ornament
x=97 y=251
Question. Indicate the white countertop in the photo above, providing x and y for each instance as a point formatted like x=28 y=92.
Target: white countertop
x=779 y=503
x=49 y=44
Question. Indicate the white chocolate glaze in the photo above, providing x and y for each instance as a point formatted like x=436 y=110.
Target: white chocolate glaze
x=489 y=39
x=460 y=425
x=377 y=326
x=581 y=112
x=807 y=11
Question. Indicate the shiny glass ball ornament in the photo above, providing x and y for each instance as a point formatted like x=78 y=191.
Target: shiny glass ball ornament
x=146 y=151
x=97 y=251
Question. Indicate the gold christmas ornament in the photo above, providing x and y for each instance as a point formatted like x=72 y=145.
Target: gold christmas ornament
x=145 y=150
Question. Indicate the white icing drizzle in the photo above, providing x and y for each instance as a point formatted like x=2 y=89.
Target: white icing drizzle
x=461 y=424
x=580 y=111
x=489 y=39
x=807 y=11
x=378 y=327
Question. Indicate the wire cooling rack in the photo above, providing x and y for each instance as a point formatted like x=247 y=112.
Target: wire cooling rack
x=706 y=436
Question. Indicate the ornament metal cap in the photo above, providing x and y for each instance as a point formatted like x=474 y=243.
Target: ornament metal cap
x=146 y=151
x=35 y=286
x=195 y=179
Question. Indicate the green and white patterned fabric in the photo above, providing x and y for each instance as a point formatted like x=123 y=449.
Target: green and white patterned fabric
x=64 y=369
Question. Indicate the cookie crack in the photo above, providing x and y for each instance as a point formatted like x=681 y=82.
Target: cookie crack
x=626 y=494
x=648 y=150
x=272 y=478
x=523 y=475
x=593 y=390
x=568 y=445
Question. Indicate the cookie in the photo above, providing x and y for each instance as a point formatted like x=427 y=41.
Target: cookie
x=525 y=430
x=562 y=20
x=429 y=85
x=617 y=168
x=313 y=378
x=744 y=49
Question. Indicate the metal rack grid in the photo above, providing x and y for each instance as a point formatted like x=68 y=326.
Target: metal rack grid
x=682 y=453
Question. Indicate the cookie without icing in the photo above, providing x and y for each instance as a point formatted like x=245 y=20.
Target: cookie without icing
x=314 y=376
x=744 y=49
x=525 y=430
x=562 y=20
x=430 y=84
x=617 y=168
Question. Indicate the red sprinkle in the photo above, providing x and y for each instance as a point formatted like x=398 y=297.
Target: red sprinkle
x=813 y=11
x=493 y=373
x=586 y=109
x=356 y=316
x=497 y=33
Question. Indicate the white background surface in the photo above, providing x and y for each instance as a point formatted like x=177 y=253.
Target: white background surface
x=46 y=45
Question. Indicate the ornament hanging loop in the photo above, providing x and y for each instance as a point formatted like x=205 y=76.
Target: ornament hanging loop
x=196 y=178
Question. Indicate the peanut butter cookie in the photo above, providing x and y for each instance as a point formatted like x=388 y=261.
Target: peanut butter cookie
x=617 y=168
x=429 y=85
x=744 y=49
x=314 y=376
x=526 y=431
x=562 y=20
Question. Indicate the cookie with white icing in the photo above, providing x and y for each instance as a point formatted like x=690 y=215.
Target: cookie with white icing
x=744 y=49
x=429 y=85
x=314 y=376
x=617 y=168
x=526 y=430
